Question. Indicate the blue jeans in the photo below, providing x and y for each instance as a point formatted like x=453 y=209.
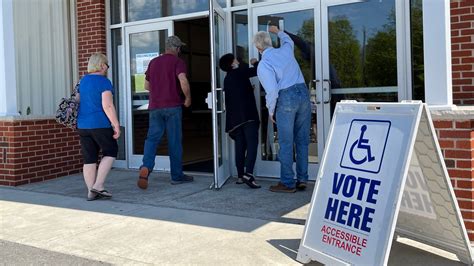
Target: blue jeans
x=169 y=119
x=293 y=119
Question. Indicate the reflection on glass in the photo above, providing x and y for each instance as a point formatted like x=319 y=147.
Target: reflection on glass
x=218 y=42
x=366 y=97
x=300 y=26
x=115 y=9
x=241 y=39
x=222 y=3
x=218 y=35
x=277 y=1
x=139 y=9
x=219 y=139
x=144 y=46
x=417 y=60
x=238 y=2
x=116 y=44
x=149 y=9
x=362 y=51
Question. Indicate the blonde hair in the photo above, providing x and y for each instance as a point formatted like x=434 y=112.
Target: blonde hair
x=262 y=40
x=95 y=62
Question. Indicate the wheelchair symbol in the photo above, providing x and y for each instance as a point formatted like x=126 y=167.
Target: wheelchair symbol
x=361 y=143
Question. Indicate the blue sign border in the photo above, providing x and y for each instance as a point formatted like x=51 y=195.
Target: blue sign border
x=383 y=151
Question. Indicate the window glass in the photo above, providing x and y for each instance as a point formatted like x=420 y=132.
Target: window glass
x=299 y=25
x=149 y=9
x=238 y=2
x=144 y=46
x=115 y=9
x=362 y=44
x=363 y=52
x=241 y=39
x=275 y=1
x=115 y=67
x=418 y=66
x=222 y=3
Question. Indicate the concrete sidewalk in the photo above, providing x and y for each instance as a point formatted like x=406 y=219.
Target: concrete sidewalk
x=184 y=224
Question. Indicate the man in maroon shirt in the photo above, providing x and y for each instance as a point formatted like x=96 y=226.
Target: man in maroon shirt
x=166 y=81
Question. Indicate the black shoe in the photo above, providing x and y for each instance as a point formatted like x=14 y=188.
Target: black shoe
x=104 y=193
x=183 y=179
x=94 y=196
x=300 y=185
x=282 y=188
x=249 y=179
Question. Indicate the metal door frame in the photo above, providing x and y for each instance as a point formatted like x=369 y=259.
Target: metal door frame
x=162 y=163
x=272 y=168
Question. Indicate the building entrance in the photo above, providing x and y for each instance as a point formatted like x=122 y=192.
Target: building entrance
x=143 y=43
x=347 y=50
x=197 y=120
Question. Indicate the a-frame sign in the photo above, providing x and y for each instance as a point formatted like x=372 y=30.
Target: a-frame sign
x=382 y=173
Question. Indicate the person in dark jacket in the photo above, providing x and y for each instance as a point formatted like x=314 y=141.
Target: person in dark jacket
x=242 y=120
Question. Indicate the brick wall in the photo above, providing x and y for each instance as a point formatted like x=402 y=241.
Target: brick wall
x=91 y=37
x=462 y=40
x=456 y=138
x=37 y=150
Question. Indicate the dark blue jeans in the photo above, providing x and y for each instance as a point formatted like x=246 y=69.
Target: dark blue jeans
x=169 y=119
x=293 y=119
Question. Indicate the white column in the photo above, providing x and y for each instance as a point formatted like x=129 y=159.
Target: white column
x=8 y=90
x=437 y=53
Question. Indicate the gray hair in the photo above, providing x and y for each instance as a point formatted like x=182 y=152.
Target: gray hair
x=262 y=40
x=173 y=42
x=95 y=62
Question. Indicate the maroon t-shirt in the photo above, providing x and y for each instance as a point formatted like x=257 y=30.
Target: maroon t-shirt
x=165 y=89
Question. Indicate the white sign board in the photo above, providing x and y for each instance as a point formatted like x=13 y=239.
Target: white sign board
x=416 y=199
x=361 y=181
x=142 y=61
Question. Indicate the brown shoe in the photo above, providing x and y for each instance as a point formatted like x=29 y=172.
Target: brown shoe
x=143 y=178
x=300 y=185
x=282 y=188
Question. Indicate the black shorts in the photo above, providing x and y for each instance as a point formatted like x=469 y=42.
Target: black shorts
x=94 y=140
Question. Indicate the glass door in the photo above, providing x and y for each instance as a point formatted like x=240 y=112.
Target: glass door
x=218 y=45
x=301 y=22
x=347 y=50
x=361 y=52
x=143 y=43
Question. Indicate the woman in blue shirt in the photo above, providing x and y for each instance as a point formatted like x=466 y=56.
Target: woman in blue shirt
x=97 y=125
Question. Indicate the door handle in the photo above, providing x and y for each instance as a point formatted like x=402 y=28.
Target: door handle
x=209 y=100
x=328 y=90
x=313 y=90
x=328 y=81
x=223 y=101
x=220 y=90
